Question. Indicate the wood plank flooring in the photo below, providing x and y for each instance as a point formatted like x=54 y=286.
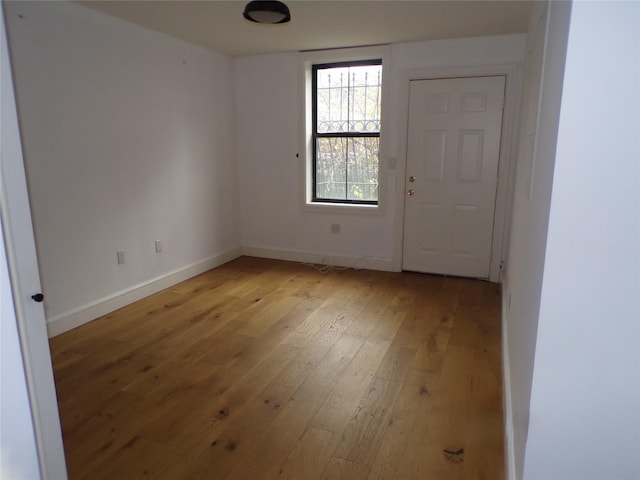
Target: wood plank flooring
x=262 y=369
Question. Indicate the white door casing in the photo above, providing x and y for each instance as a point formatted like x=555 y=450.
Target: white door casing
x=25 y=280
x=453 y=149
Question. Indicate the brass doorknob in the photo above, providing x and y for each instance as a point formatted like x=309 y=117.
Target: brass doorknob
x=411 y=192
x=412 y=179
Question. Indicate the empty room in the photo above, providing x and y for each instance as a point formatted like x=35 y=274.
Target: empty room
x=320 y=240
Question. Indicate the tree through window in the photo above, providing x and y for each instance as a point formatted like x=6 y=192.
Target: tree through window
x=346 y=131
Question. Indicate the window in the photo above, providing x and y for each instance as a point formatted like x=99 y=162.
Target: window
x=346 y=100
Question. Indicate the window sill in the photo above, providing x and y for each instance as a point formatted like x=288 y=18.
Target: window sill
x=344 y=209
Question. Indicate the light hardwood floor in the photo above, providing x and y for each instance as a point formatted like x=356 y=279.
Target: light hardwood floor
x=262 y=369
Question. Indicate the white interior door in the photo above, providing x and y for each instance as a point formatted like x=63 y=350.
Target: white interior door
x=453 y=147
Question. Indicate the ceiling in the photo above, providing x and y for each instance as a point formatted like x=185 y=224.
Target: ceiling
x=321 y=24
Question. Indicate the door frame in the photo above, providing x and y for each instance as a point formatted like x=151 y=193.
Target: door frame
x=506 y=161
x=17 y=228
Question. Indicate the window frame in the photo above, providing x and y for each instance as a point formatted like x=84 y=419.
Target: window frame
x=315 y=135
x=306 y=151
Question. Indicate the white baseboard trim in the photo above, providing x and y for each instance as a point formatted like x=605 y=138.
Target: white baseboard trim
x=79 y=316
x=359 y=263
x=509 y=451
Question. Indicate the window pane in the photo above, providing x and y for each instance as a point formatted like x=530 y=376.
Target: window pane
x=331 y=167
x=365 y=98
x=362 y=168
x=348 y=99
x=333 y=99
x=347 y=168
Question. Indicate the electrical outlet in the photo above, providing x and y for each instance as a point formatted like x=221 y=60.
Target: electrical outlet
x=158 y=246
x=120 y=256
x=335 y=228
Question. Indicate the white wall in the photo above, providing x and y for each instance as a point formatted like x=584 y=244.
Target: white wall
x=128 y=137
x=585 y=399
x=572 y=287
x=269 y=174
x=532 y=195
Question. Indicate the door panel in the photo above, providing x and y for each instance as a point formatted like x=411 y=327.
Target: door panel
x=453 y=148
x=434 y=143
x=470 y=146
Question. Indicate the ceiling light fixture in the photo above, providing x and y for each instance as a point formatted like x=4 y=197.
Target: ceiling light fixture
x=272 y=12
